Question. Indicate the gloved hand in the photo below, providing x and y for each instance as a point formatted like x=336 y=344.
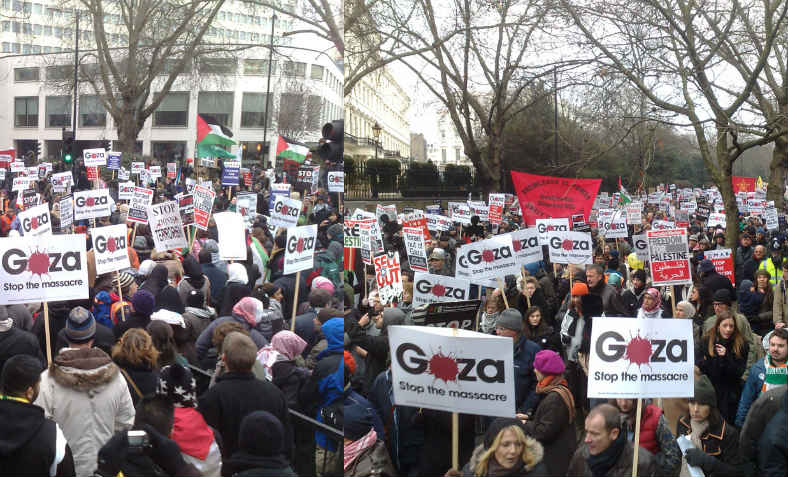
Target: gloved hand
x=164 y=451
x=698 y=458
x=112 y=455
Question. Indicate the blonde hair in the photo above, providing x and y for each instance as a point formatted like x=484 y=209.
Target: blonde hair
x=484 y=461
x=136 y=348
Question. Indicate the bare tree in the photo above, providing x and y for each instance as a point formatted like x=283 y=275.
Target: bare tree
x=671 y=51
x=299 y=111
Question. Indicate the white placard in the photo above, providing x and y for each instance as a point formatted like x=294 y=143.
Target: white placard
x=526 y=246
x=125 y=190
x=388 y=276
x=487 y=259
x=640 y=245
x=770 y=216
x=570 y=247
x=137 y=167
x=124 y=174
x=36 y=221
x=336 y=181
x=543 y=226
x=617 y=227
x=429 y=288
x=641 y=358
x=110 y=248
x=300 y=248
x=717 y=220
x=480 y=209
x=61 y=179
x=634 y=213
x=662 y=225
x=138 y=206
x=155 y=171
x=91 y=204
x=44 y=268
x=460 y=212
x=414 y=246
x=166 y=226
x=285 y=211
x=438 y=222
x=66 y=207
x=452 y=370
x=232 y=238
x=94 y=157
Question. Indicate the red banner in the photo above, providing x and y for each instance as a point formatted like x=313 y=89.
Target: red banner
x=7 y=157
x=743 y=184
x=545 y=197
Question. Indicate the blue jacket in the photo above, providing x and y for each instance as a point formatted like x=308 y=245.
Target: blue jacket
x=524 y=378
x=751 y=391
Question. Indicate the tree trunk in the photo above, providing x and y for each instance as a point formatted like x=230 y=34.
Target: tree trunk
x=776 y=188
x=726 y=188
x=128 y=130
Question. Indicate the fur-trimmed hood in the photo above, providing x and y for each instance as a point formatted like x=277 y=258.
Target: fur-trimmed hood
x=82 y=369
x=533 y=449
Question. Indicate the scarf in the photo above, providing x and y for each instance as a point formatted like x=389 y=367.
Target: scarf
x=558 y=384
x=355 y=448
x=256 y=246
x=6 y=325
x=488 y=321
x=601 y=463
x=776 y=375
x=191 y=432
x=697 y=429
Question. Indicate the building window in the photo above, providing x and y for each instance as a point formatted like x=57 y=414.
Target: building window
x=6 y=25
x=314 y=104
x=253 y=110
x=60 y=72
x=26 y=74
x=221 y=66
x=92 y=112
x=168 y=151
x=443 y=156
x=258 y=67
x=457 y=155
x=316 y=73
x=27 y=49
x=58 y=111
x=295 y=68
x=36 y=29
x=26 y=112
x=173 y=110
x=47 y=30
x=6 y=47
x=216 y=104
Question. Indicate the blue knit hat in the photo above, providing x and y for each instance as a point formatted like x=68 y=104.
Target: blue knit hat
x=80 y=326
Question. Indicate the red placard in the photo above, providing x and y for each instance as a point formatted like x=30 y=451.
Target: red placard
x=743 y=184
x=545 y=197
x=418 y=221
x=247 y=177
x=92 y=173
x=4 y=161
x=723 y=262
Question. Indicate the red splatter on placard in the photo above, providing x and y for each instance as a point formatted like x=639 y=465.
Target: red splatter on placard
x=438 y=290
x=34 y=223
x=443 y=367
x=488 y=256
x=517 y=245
x=38 y=263
x=638 y=351
x=300 y=245
x=111 y=245
x=90 y=202
x=566 y=245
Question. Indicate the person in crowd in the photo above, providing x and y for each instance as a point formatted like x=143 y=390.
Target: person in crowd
x=165 y=295
x=769 y=372
x=193 y=279
x=216 y=277
x=492 y=310
x=702 y=299
x=531 y=295
x=15 y=341
x=137 y=360
x=750 y=266
x=711 y=279
x=780 y=306
x=611 y=300
x=84 y=392
x=761 y=320
x=213 y=358
x=761 y=412
x=248 y=312
x=235 y=289
x=606 y=450
x=686 y=310
x=322 y=343
x=262 y=448
x=655 y=434
x=773 y=262
x=437 y=262
x=722 y=303
x=364 y=449
x=238 y=393
x=31 y=443
x=743 y=253
x=163 y=336
x=142 y=305
x=305 y=322
x=537 y=330
x=552 y=422
x=376 y=347
x=773 y=447
x=633 y=296
x=510 y=324
x=197 y=316
x=652 y=304
x=715 y=442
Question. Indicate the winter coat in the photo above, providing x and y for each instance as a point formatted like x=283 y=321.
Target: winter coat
x=751 y=391
x=611 y=300
x=761 y=412
x=742 y=255
x=374 y=460
x=720 y=441
x=233 y=292
x=724 y=372
x=377 y=348
x=534 y=468
x=780 y=305
x=217 y=280
x=633 y=299
x=773 y=455
x=197 y=319
x=524 y=378
x=204 y=342
x=746 y=330
x=135 y=320
x=714 y=281
x=145 y=378
x=290 y=378
x=15 y=341
x=552 y=427
x=749 y=268
x=185 y=287
x=578 y=466
x=547 y=338
x=84 y=392
x=305 y=328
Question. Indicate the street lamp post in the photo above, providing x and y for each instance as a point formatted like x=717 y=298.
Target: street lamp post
x=268 y=86
x=376 y=128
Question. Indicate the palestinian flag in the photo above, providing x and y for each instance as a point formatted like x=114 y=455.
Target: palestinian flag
x=290 y=151
x=208 y=133
x=623 y=195
x=211 y=150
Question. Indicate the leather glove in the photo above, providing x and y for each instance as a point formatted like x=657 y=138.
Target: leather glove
x=113 y=454
x=698 y=458
x=164 y=451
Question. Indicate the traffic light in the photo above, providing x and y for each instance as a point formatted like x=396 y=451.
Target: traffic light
x=333 y=147
x=37 y=152
x=68 y=146
x=106 y=144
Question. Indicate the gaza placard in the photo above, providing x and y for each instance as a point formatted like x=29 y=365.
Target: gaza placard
x=543 y=226
x=722 y=258
x=487 y=259
x=526 y=246
x=640 y=245
x=495 y=211
x=36 y=221
x=166 y=226
x=388 y=277
x=110 y=248
x=570 y=247
x=429 y=288
x=91 y=204
x=285 y=212
x=94 y=157
x=336 y=181
x=617 y=227
x=438 y=222
x=125 y=190
x=300 y=248
x=452 y=370
x=414 y=245
x=641 y=358
x=138 y=206
x=669 y=257
x=43 y=268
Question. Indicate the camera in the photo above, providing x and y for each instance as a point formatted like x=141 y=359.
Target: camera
x=138 y=440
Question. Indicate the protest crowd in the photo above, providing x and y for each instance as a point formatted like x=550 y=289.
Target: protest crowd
x=187 y=323
x=489 y=337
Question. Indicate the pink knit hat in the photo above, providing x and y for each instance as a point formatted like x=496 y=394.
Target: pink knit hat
x=323 y=283
x=549 y=362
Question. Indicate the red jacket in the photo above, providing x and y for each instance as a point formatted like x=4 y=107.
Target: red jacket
x=648 y=428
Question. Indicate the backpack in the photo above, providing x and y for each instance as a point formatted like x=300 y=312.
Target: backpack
x=101 y=308
x=328 y=268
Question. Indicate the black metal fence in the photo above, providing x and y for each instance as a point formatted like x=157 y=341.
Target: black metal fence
x=391 y=179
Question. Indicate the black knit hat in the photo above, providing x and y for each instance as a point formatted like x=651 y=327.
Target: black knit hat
x=723 y=296
x=639 y=274
x=178 y=385
x=497 y=426
x=704 y=391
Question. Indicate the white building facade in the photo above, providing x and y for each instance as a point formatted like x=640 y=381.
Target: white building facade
x=447 y=148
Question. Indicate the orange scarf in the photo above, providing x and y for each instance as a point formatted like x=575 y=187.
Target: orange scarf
x=558 y=384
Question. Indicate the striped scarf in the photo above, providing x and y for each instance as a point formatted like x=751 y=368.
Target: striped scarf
x=776 y=375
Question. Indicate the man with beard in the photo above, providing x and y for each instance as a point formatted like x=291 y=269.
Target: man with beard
x=611 y=300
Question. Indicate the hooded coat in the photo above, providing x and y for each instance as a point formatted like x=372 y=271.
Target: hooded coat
x=533 y=467
x=245 y=315
x=193 y=279
x=235 y=289
x=377 y=347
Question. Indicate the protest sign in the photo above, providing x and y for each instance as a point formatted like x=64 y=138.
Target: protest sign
x=617 y=227
x=447 y=314
x=418 y=220
x=495 y=209
x=389 y=210
x=203 y=204
x=682 y=218
x=544 y=226
x=91 y=204
x=370 y=245
x=487 y=259
x=113 y=160
x=305 y=176
x=247 y=206
x=570 y=247
x=22 y=183
x=125 y=190
x=66 y=207
x=277 y=190
x=300 y=248
x=460 y=212
x=231 y=173
x=641 y=358
x=429 y=288
x=336 y=181
x=17 y=166
x=138 y=207
x=543 y=197
x=634 y=213
x=662 y=225
x=43 y=268
x=166 y=226
x=285 y=212
x=110 y=248
x=155 y=172
x=388 y=277
x=123 y=174
x=414 y=245
x=137 y=167
x=433 y=209
x=29 y=198
x=702 y=212
x=640 y=246
x=352 y=235
x=452 y=370
x=717 y=220
x=92 y=173
x=2 y=174
x=247 y=176
x=36 y=221
x=94 y=157
x=770 y=217
x=172 y=170
x=722 y=259
x=232 y=238
x=480 y=209
x=438 y=222
x=186 y=209
x=669 y=257
x=526 y=246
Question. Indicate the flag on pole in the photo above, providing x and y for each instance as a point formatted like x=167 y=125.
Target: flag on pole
x=292 y=152
x=623 y=195
x=212 y=150
x=211 y=134
x=759 y=184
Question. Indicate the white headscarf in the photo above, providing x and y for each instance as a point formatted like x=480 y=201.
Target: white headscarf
x=236 y=273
